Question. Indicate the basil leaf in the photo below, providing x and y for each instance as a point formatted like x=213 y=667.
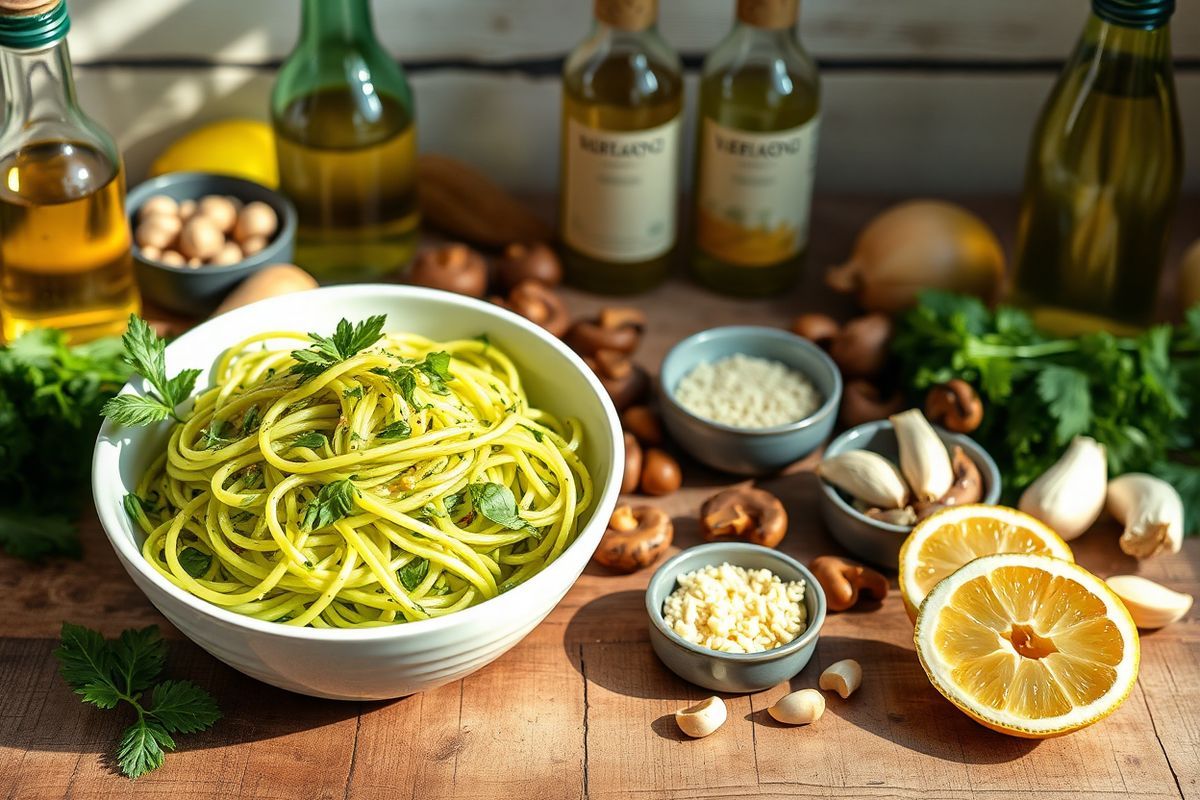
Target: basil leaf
x=412 y=573
x=194 y=562
x=497 y=503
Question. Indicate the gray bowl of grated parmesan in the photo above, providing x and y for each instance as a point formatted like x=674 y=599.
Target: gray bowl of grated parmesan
x=747 y=399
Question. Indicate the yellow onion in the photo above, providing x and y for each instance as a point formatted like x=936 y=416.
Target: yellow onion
x=919 y=245
x=1189 y=276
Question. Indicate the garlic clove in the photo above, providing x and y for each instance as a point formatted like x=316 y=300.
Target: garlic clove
x=924 y=460
x=798 y=708
x=1070 y=495
x=1151 y=604
x=1151 y=511
x=703 y=718
x=866 y=476
x=843 y=677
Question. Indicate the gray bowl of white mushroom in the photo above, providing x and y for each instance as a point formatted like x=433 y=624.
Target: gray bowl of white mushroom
x=197 y=235
x=878 y=479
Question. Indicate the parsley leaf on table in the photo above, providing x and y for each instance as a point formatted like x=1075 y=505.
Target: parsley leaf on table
x=145 y=352
x=105 y=673
x=347 y=340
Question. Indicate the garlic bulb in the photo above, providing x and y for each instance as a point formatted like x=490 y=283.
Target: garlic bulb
x=1151 y=511
x=924 y=460
x=1070 y=495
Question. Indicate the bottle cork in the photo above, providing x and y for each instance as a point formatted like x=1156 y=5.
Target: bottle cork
x=628 y=15
x=26 y=8
x=768 y=13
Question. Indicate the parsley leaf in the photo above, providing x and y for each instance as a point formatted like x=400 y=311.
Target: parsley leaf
x=313 y=440
x=142 y=748
x=213 y=436
x=1065 y=392
x=399 y=429
x=146 y=353
x=347 y=340
x=250 y=420
x=435 y=367
x=194 y=562
x=333 y=502
x=497 y=503
x=412 y=573
x=183 y=707
x=538 y=435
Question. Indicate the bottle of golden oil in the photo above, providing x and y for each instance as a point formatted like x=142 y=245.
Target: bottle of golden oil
x=1103 y=176
x=347 y=146
x=755 y=154
x=622 y=96
x=64 y=241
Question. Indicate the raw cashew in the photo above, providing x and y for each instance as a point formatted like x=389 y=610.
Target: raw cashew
x=842 y=677
x=799 y=708
x=703 y=718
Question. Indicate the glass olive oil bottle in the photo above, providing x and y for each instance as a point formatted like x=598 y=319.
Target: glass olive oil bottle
x=755 y=153
x=64 y=241
x=347 y=146
x=622 y=96
x=1103 y=176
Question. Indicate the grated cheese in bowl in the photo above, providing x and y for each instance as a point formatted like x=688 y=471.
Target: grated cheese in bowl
x=736 y=610
x=747 y=392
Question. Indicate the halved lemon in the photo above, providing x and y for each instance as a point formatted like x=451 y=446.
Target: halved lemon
x=1028 y=645
x=943 y=542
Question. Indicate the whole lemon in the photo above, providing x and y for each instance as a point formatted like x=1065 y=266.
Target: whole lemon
x=244 y=148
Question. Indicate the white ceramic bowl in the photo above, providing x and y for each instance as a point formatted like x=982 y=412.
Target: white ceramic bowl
x=371 y=663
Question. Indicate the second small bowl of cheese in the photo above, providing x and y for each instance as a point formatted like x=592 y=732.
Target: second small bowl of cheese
x=748 y=399
x=734 y=617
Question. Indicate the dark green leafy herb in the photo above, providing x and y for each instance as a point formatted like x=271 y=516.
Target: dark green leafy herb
x=106 y=673
x=485 y=339
x=497 y=503
x=1133 y=394
x=412 y=573
x=333 y=502
x=250 y=420
x=355 y=392
x=213 y=436
x=194 y=562
x=538 y=435
x=145 y=352
x=347 y=340
x=435 y=367
x=399 y=429
x=313 y=440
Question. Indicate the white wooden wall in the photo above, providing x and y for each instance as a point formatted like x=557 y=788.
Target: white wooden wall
x=919 y=95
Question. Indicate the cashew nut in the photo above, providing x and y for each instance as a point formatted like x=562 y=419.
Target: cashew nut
x=955 y=405
x=799 y=708
x=743 y=512
x=842 y=677
x=703 y=718
x=845 y=582
x=635 y=538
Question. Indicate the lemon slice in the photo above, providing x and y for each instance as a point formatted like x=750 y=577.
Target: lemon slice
x=1028 y=645
x=945 y=541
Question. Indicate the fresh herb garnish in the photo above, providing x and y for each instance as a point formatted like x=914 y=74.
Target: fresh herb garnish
x=106 y=673
x=356 y=392
x=538 y=435
x=313 y=440
x=194 y=562
x=412 y=573
x=145 y=352
x=435 y=367
x=213 y=436
x=396 y=430
x=333 y=502
x=485 y=339
x=347 y=340
x=250 y=420
x=497 y=503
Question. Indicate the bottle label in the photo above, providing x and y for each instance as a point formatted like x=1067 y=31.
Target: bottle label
x=755 y=192
x=620 y=191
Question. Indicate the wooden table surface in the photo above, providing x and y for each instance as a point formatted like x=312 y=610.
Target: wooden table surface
x=581 y=707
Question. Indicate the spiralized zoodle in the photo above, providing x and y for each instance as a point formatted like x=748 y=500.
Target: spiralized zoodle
x=408 y=480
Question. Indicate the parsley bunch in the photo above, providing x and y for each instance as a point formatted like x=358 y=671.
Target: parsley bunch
x=106 y=674
x=50 y=400
x=1132 y=394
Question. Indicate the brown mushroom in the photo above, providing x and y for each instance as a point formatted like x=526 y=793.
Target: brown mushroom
x=955 y=405
x=660 y=473
x=845 y=582
x=452 y=267
x=633 y=465
x=529 y=262
x=861 y=402
x=616 y=328
x=861 y=346
x=820 y=329
x=635 y=538
x=744 y=512
x=539 y=303
x=967 y=486
x=625 y=382
x=643 y=423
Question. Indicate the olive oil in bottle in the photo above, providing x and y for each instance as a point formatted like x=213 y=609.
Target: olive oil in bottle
x=346 y=144
x=64 y=241
x=1103 y=176
x=622 y=97
x=755 y=154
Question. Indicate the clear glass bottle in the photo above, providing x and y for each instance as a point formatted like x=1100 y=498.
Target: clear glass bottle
x=755 y=154
x=1103 y=176
x=65 y=246
x=619 y=194
x=346 y=140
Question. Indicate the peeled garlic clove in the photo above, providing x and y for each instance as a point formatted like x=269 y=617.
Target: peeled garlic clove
x=1070 y=495
x=799 y=708
x=866 y=476
x=924 y=460
x=894 y=516
x=1151 y=605
x=843 y=677
x=703 y=718
x=1151 y=511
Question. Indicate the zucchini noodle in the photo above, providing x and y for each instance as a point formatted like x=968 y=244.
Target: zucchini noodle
x=393 y=485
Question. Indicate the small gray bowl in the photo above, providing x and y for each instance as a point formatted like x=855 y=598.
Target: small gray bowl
x=733 y=672
x=196 y=292
x=750 y=451
x=870 y=539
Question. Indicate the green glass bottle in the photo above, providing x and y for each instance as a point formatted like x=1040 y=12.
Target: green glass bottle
x=1103 y=176
x=346 y=141
x=755 y=154
x=619 y=195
